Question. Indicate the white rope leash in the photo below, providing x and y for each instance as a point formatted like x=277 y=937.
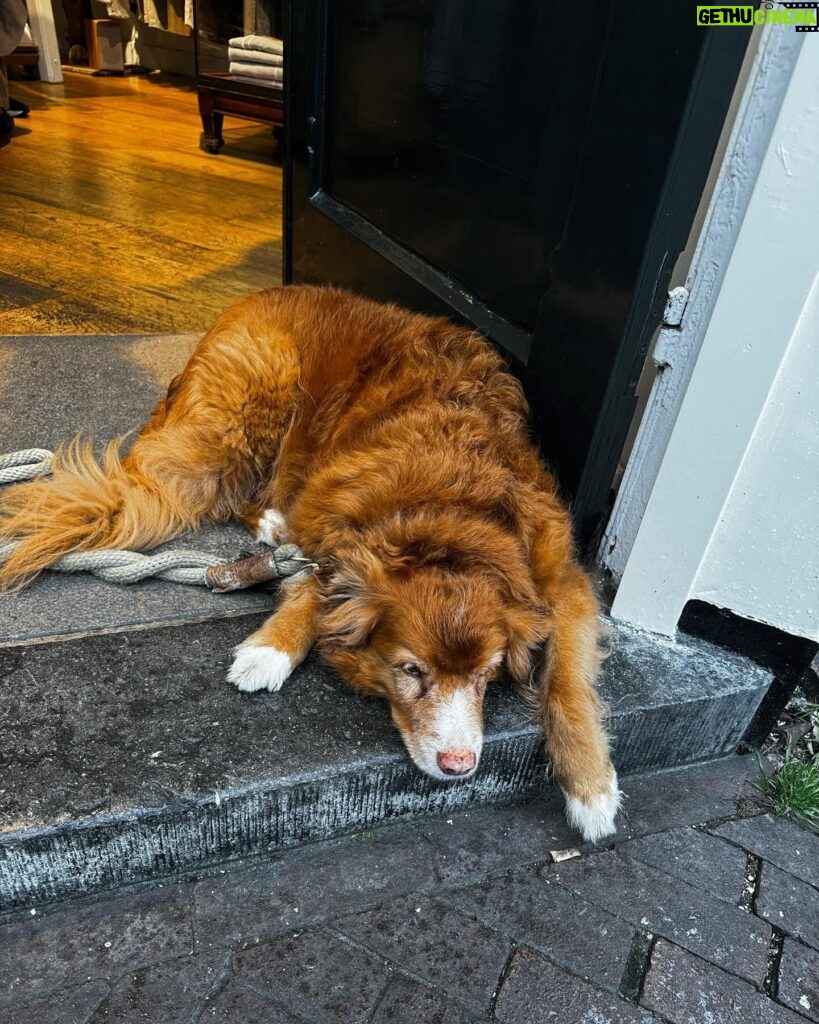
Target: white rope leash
x=25 y=465
x=197 y=568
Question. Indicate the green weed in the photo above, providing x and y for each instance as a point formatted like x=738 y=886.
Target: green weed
x=793 y=790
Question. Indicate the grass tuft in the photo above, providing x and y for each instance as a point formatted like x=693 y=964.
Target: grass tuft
x=793 y=790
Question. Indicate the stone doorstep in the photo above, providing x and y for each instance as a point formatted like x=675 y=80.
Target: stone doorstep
x=127 y=757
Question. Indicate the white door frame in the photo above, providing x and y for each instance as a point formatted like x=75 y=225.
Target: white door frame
x=689 y=310
x=721 y=364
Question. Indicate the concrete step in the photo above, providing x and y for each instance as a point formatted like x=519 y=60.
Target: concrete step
x=124 y=755
x=127 y=757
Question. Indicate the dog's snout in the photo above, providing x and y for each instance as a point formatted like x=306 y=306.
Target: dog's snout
x=456 y=762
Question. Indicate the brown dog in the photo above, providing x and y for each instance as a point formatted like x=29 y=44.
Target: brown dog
x=393 y=448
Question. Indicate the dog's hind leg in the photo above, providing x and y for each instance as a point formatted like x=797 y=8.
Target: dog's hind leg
x=268 y=656
x=267 y=525
x=572 y=713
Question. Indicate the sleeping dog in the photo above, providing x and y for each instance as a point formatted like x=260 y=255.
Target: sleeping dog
x=394 y=449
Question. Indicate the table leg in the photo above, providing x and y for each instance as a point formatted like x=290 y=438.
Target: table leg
x=211 y=140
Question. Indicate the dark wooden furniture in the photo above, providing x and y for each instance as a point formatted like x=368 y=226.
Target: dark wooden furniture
x=220 y=95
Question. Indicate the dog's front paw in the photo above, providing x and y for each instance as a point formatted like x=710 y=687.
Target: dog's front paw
x=595 y=816
x=259 y=668
x=272 y=528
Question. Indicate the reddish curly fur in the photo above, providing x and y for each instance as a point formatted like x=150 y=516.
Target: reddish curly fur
x=397 y=449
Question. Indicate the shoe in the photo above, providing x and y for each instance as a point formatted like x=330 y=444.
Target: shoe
x=17 y=108
x=6 y=124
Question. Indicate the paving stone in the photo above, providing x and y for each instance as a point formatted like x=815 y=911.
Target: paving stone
x=493 y=839
x=777 y=841
x=700 y=859
x=536 y=992
x=799 y=979
x=101 y=941
x=687 y=990
x=304 y=886
x=667 y=906
x=237 y=1004
x=789 y=904
x=407 y=1002
x=534 y=911
x=436 y=943
x=71 y=1007
x=165 y=994
x=316 y=976
x=686 y=796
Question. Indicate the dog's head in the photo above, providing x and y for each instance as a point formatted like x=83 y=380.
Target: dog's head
x=429 y=639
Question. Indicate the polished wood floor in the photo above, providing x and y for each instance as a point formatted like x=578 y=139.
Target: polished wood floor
x=112 y=220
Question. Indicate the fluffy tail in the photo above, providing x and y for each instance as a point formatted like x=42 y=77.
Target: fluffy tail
x=210 y=444
x=135 y=502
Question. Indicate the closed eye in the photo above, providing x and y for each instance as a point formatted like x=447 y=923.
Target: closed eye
x=411 y=669
x=412 y=680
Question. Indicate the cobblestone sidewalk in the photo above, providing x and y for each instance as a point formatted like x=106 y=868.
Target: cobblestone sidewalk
x=702 y=911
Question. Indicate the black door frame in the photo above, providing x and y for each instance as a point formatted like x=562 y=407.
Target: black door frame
x=709 y=96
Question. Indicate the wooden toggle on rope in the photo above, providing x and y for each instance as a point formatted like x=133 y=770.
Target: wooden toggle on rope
x=196 y=568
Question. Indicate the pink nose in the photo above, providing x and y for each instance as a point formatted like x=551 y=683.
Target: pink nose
x=456 y=762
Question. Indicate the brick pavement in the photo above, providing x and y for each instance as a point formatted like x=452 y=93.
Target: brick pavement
x=702 y=910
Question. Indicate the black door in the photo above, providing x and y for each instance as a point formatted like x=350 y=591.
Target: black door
x=531 y=168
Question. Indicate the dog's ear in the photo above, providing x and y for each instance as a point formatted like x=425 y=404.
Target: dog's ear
x=528 y=629
x=352 y=602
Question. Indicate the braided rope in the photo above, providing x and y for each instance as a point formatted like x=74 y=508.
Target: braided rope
x=179 y=566
x=24 y=465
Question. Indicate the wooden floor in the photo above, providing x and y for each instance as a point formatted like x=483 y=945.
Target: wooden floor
x=112 y=220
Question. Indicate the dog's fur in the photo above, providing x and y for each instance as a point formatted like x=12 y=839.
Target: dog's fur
x=393 y=448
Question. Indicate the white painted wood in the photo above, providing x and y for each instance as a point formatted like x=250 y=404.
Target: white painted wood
x=676 y=349
x=41 y=20
x=763 y=558
x=735 y=388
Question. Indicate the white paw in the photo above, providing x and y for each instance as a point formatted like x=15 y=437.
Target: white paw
x=259 y=668
x=595 y=818
x=272 y=528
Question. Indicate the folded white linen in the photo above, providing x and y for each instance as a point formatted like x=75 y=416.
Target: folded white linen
x=266 y=82
x=260 y=71
x=275 y=60
x=267 y=43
